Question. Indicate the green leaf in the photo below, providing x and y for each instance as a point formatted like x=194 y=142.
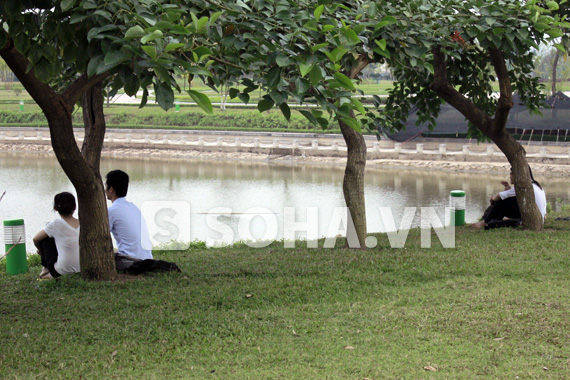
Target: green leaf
x=115 y=57
x=144 y=99
x=302 y=85
x=324 y=123
x=273 y=77
x=151 y=51
x=202 y=23
x=490 y=20
x=285 y=110
x=344 y=80
x=560 y=47
x=134 y=32
x=352 y=123
x=164 y=95
x=319 y=11
x=277 y=96
x=94 y=64
x=315 y=75
x=265 y=104
x=552 y=5
x=244 y=97
x=358 y=105
x=554 y=33
x=173 y=46
x=497 y=31
x=198 y=71
x=201 y=53
x=152 y=36
x=233 y=92
x=319 y=46
x=338 y=53
x=163 y=25
x=309 y=116
x=328 y=28
x=282 y=60
x=202 y=100
x=304 y=68
x=131 y=85
x=381 y=44
x=215 y=16
x=67 y=4
x=349 y=37
x=372 y=10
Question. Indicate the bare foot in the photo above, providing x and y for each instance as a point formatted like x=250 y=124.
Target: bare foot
x=480 y=224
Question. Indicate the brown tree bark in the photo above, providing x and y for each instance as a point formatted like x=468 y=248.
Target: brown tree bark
x=81 y=169
x=353 y=182
x=495 y=129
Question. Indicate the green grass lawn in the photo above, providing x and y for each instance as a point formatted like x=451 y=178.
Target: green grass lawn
x=495 y=307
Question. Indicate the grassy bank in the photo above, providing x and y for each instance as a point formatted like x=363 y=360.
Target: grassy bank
x=495 y=307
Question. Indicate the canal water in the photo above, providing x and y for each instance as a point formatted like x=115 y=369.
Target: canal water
x=226 y=201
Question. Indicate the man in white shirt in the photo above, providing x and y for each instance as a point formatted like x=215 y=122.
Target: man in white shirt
x=504 y=204
x=126 y=222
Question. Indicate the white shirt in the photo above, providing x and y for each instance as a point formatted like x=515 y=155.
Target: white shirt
x=129 y=229
x=539 y=197
x=67 y=244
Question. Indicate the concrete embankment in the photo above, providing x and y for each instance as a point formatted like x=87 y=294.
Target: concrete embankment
x=467 y=155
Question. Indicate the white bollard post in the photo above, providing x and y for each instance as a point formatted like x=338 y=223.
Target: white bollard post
x=490 y=150
x=442 y=149
x=200 y=141
x=315 y=144
x=542 y=152
x=397 y=148
x=465 y=150
x=237 y=142
x=419 y=148
x=295 y=144
x=256 y=142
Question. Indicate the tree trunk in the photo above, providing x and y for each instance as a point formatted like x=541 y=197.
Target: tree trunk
x=515 y=153
x=554 y=67
x=353 y=183
x=495 y=129
x=97 y=257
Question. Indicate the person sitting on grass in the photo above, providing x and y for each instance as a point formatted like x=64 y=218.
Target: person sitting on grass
x=504 y=204
x=58 y=242
x=126 y=223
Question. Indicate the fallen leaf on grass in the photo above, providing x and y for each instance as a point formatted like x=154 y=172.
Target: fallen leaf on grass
x=430 y=368
x=248 y=295
x=348 y=348
x=114 y=353
x=499 y=338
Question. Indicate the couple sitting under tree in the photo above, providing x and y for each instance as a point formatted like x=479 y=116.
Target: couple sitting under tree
x=504 y=205
x=58 y=242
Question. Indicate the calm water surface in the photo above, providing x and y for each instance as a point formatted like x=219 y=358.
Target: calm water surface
x=31 y=181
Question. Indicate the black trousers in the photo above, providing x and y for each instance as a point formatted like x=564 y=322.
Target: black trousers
x=508 y=207
x=48 y=254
